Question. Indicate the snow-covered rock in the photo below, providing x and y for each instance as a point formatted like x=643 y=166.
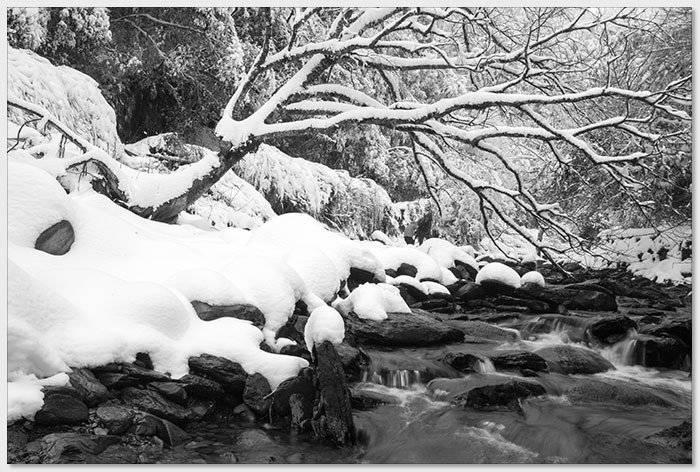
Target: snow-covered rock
x=324 y=324
x=373 y=302
x=532 y=277
x=495 y=272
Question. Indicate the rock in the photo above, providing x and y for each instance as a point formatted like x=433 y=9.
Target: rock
x=411 y=294
x=336 y=423
x=354 y=361
x=198 y=386
x=675 y=436
x=678 y=328
x=118 y=376
x=406 y=269
x=368 y=399
x=579 y=298
x=294 y=329
x=171 y=434
x=610 y=391
x=303 y=385
x=57 y=239
x=463 y=361
x=154 y=403
x=62 y=405
x=494 y=288
x=297 y=351
x=229 y=374
x=661 y=351
x=91 y=391
x=116 y=419
x=401 y=329
x=143 y=359
x=535 y=306
x=171 y=391
x=518 y=360
x=241 y=311
x=255 y=395
x=532 y=288
x=568 y=359
x=610 y=330
x=64 y=448
x=479 y=329
x=470 y=291
x=499 y=396
x=468 y=272
x=358 y=277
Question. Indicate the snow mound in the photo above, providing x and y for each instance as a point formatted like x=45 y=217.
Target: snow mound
x=435 y=288
x=373 y=302
x=532 y=277
x=497 y=272
x=324 y=324
x=71 y=96
x=393 y=257
x=35 y=202
x=447 y=254
x=208 y=286
x=408 y=280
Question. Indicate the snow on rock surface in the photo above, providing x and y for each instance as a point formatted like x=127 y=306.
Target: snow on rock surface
x=24 y=395
x=435 y=288
x=324 y=324
x=447 y=254
x=35 y=202
x=497 y=272
x=71 y=96
x=532 y=277
x=393 y=257
x=373 y=302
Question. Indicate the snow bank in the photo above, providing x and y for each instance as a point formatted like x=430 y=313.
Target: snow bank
x=324 y=324
x=497 y=272
x=373 y=302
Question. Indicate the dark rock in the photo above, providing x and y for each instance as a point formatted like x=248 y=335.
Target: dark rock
x=145 y=424
x=171 y=391
x=573 y=298
x=299 y=414
x=294 y=329
x=610 y=391
x=302 y=384
x=437 y=304
x=296 y=351
x=407 y=269
x=62 y=405
x=116 y=419
x=56 y=240
x=468 y=272
x=229 y=374
x=499 y=396
x=470 y=291
x=200 y=407
x=143 y=359
x=494 y=288
x=649 y=319
x=117 y=454
x=401 y=329
x=675 y=436
x=518 y=360
x=118 y=376
x=64 y=448
x=358 y=277
x=154 y=403
x=479 y=329
x=531 y=288
x=172 y=435
x=368 y=399
x=463 y=361
x=661 y=351
x=337 y=423
x=391 y=273
x=678 y=328
x=198 y=386
x=256 y=394
x=535 y=306
x=241 y=311
x=91 y=391
x=568 y=359
x=611 y=330
x=354 y=361
x=411 y=294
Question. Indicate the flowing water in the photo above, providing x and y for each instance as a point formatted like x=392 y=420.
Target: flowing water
x=601 y=418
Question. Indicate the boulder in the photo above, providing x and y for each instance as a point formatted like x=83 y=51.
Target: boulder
x=462 y=361
x=360 y=276
x=171 y=391
x=116 y=419
x=411 y=294
x=198 y=386
x=499 y=396
x=468 y=272
x=582 y=297
x=367 y=399
x=57 y=239
x=62 y=448
x=354 y=360
x=518 y=360
x=401 y=329
x=678 y=328
x=256 y=393
x=91 y=391
x=661 y=351
x=610 y=391
x=62 y=405
x=154 y=403
x=567 y=359
x=333 y=418
x=229 y=374
x=301 y=385
x=610 y=330
x=241 y=311
x=406 y=269
x=120 y=375
x=469 y=291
